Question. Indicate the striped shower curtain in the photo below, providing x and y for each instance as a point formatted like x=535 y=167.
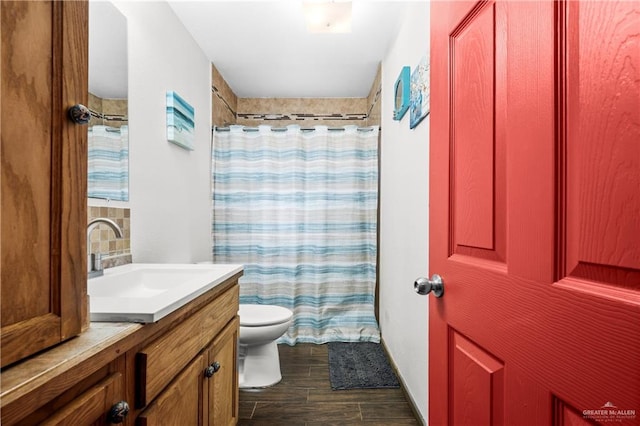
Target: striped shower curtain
x=108 y=162
x=299 y=209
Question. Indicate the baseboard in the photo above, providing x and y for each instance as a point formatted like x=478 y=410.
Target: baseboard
x=410 y=400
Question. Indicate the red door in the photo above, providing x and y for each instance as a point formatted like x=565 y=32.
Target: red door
x=535 y=213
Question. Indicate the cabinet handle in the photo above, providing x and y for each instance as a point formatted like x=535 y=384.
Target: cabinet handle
x=79 y=114
x=212 y=369
x=118 y=412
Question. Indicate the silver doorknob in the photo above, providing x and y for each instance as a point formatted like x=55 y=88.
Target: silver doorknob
x=424 y=286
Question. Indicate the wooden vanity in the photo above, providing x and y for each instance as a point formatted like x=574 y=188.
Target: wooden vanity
x=179 y=370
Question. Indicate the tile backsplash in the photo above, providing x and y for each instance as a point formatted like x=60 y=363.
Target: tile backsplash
x=108 y=112
x=115 y=251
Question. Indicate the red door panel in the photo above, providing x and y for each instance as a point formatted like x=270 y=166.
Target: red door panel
x=478 y=228
x=478 y=384
x=565 y=415
x=473 y=143
x=534 y=207
x=601 y=225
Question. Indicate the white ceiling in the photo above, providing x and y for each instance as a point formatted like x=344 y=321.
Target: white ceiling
x=262 y=48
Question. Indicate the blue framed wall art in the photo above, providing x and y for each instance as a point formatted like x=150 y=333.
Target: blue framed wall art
x=401 y=94
x=420 y=92
x=180 y=121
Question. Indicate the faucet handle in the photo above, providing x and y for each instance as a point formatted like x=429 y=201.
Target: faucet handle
x=96 y=262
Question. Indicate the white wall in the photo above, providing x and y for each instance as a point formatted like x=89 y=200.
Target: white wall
x=404 y=216
x=169 y=189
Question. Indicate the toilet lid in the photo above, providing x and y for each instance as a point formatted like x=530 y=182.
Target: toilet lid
x=257 y=315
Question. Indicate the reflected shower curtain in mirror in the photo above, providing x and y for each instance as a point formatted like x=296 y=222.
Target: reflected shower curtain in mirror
x=298 y=209
x=108 y=168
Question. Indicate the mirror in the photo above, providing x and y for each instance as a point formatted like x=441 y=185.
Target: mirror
x=401 y=94
x=108 y=138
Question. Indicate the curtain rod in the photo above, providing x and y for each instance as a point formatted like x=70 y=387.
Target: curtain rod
x=303 y=129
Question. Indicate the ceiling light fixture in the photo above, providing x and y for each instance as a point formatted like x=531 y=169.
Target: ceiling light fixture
x=327 y=16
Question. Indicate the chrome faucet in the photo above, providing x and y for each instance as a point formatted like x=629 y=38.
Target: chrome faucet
x=94 y=260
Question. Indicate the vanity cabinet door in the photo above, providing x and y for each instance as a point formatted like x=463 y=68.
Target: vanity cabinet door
x=206 y=391
x=181 y=402
x=222 y=386
x=43 y=175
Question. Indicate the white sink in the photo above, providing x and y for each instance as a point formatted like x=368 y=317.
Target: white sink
x=141 y=292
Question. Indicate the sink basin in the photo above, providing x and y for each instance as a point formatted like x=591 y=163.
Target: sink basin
x=144 y=293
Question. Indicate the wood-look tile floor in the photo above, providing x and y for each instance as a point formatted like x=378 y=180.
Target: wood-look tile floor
x=304 y=397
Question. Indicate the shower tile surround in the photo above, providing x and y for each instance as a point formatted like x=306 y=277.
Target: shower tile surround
x=374 y=113
x=108 y=112
x=332 y=112
x=224 y=101
x=115 y=251
x=305 y=112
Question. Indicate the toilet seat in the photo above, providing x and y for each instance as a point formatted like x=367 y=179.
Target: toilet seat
x=262 y=315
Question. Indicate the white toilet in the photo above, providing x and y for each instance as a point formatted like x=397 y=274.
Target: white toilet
x=260 y=327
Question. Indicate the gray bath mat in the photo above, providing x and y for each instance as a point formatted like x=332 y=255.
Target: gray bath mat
x=361 y=365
